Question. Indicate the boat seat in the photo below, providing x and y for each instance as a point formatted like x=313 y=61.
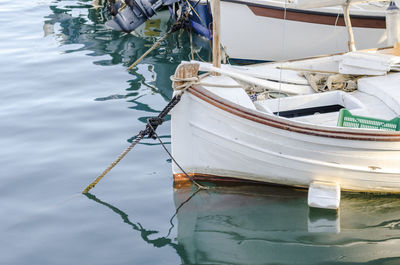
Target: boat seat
x=326 y=119
x=329 y=119
x=320 y=108
x=299 y=102
x=235 y=94
x=386 y=88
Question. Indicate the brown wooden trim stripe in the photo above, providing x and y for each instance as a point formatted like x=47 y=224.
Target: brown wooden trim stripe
x=315 y=17
x=340 y=133
x=181 y=181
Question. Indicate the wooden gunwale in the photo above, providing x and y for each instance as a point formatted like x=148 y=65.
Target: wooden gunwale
x=281 y=123
x=315 y=17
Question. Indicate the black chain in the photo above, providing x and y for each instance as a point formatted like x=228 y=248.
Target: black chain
x=154 y=122
x=150 y=131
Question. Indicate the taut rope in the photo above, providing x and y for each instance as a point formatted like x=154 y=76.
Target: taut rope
x=151 y=127
x=180 y=23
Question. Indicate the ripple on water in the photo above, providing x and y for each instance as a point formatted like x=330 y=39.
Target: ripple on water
x=68 y=108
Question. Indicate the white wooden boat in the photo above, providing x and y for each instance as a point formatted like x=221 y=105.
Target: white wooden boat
x=220 y=133
x=331 y=132
x=285 y=31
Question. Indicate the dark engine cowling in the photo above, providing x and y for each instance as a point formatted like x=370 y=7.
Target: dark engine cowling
x=134 y=13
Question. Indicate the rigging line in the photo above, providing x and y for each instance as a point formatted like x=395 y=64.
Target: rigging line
x=209 y=18
x=176 y=26
x=336 y=29
x=177 y=210
x=145 y=233
x=197 y=15
x=191 y=42
x=283 y=52
x=192 y=49
x=199 y=186
x=196 y=3
x=148 y=131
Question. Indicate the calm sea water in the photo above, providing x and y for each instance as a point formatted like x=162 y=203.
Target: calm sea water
x=68 y=109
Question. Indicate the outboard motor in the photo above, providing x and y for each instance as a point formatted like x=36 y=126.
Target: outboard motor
x=130 y=14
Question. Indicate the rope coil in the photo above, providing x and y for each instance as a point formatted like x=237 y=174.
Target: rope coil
x=186 y=82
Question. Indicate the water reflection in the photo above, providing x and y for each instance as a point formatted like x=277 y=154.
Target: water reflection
x=230 y=225
x=270 y=225
x=273 y=225
x=159 y=242
x=80 y=23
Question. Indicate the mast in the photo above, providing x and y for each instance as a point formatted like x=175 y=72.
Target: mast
x=216 y=33
x=346 y=13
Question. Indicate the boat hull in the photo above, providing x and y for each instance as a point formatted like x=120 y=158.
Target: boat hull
x=212 y=137
x=292 y=34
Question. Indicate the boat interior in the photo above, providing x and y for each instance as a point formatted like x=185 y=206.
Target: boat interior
x=286 y=89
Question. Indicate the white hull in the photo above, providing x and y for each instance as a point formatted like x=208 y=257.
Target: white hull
x=249 y=30
x=212 y=136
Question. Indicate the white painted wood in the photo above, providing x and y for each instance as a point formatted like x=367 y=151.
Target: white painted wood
x=310 y=101
x=324 y=225
x=325 y=3
x=346 y=13
x=276 y=39
x=216 y=32
x=386 y=88
x=393 y=25
x=210 y=140
x=272 y=73
x=234 y=94
x=362 y=63
x=270 y=85
x=325 y=195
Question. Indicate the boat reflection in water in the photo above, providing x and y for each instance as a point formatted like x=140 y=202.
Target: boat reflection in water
x=273 y=225
x=81 y=28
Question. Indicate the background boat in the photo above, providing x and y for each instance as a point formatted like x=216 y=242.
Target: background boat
x=268 y=30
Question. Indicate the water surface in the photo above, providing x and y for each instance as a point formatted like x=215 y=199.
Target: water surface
x=68 y=108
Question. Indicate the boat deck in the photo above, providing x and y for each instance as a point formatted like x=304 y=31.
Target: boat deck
x=375 y=97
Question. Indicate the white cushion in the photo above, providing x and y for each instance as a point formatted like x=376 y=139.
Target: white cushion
x=386 y=88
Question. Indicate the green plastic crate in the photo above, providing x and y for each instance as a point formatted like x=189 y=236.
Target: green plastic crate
x=346 y=119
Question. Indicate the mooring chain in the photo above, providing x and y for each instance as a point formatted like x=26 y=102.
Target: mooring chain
x=149 y=131
x=154 y=122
